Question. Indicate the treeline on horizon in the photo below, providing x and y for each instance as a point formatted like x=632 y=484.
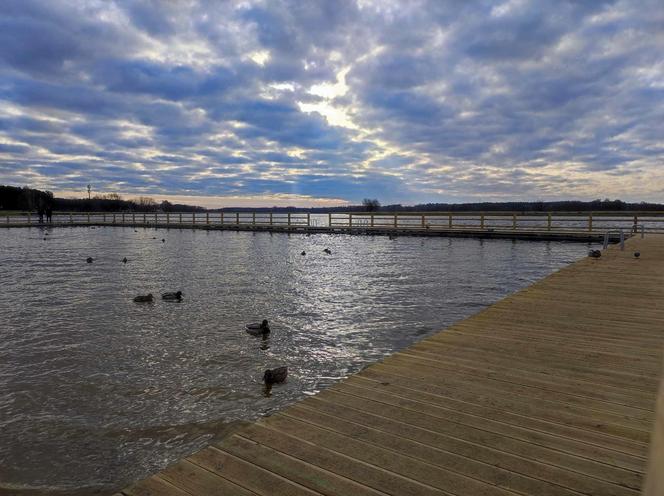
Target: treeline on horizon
x=28 y=199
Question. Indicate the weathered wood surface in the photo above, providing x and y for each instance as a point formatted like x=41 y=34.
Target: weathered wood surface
x=550 y=391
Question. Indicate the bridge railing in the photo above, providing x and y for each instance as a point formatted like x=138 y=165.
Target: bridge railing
x=489 y=221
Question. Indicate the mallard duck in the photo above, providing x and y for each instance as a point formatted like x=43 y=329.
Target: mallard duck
x=172 y=296
x=328 y=251
x=148 y=298
x=257 y=329
x=275 y=376
x=89 y=259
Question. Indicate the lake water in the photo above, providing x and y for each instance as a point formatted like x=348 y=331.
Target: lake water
x=97 y=391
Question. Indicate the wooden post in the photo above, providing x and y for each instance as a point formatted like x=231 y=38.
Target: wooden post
x=133 y=218
x=88 y=217
x=270 y=218
x=207 y=217
x=193 y=217
x=253 y=218
x=168 y=218
x=71 y=218
x=180 y=218
x=329 y=220
x=221 y=217
x=482 y=221
x=113 y=218
x=372 y=220
x=548 y=221
x=350 y=221
x=103 y=218
x=156 y=219
x=289 y=219
x=237 y=218
x=513 y=221
x=590 y=222
x=29 y=218
x=8 y=219
x=423 y=222
x=636 y=224
x=396 y=222
x=308 y=219
x=145 y=218
x=450 y=223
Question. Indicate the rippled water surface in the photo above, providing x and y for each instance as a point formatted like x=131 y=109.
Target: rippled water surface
x=97 y=391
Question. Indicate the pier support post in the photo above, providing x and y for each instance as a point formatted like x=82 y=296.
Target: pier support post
x=590 y=222
x=193 y=218
x=308 y=219
x=88 y=217
x=548 y=222
x=372 y=220
x=237 y=218
x=643 y=231
x=180 y=218
x=482 y=221
x=103 y=218
x=514 y=221
x=449 y=221
x=168 y=218
x=133 y=218
x=145 y=218
x=71 y=218
x=396 y=223
x=156 y=218
x=350 y=221
x=207 y=218
x=423 y=222
x=289 y=219
x=253 y=218
x=271 y=219
x=29 y=218
x=329 y=220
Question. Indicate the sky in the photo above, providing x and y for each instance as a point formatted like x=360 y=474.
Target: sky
x=327 y=102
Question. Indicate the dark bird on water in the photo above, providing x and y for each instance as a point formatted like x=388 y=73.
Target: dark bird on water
x=303 y=253
x=148 y=298
x=89 y=259
x=275 y=376
x=172 y=296
x=328 y=251
x=163 y=240
x=594 y=253
x=637 y=254
x=124 y=260
x=257 y=329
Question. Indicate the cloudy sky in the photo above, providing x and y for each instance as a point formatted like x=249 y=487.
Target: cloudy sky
x=331 y=101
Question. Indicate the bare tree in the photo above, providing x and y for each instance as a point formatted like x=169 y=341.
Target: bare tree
x=370 y=205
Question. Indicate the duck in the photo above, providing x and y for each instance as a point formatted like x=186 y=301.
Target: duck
x=124 y=260
x=328 y=251
x=148 y=298
x=89 y=260
x=303 y=252
x=163 y=240
x=257 y=329
x=172 y=296
x=637 y=254
x=275 y=376
x=594 y=253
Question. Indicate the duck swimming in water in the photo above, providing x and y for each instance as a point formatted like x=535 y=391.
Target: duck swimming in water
x=124 y=260
x=257 y=329
x=328 y=251
x=303 y=253
x=275 y=376
x=172 y=296
x=89 y=259
x=144 y=298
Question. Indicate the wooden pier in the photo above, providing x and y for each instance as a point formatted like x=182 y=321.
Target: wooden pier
x=542 y=226
x=550 y=391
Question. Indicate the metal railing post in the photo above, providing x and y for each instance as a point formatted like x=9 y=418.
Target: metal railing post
x=622 y=240
x=643 y=231
x=606 y=240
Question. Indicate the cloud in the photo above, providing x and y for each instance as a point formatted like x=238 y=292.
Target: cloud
x=403 y=101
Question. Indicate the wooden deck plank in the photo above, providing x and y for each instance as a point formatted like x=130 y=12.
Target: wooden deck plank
x=549 y=392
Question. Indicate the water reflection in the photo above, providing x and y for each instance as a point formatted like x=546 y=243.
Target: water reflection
x=97 y=391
